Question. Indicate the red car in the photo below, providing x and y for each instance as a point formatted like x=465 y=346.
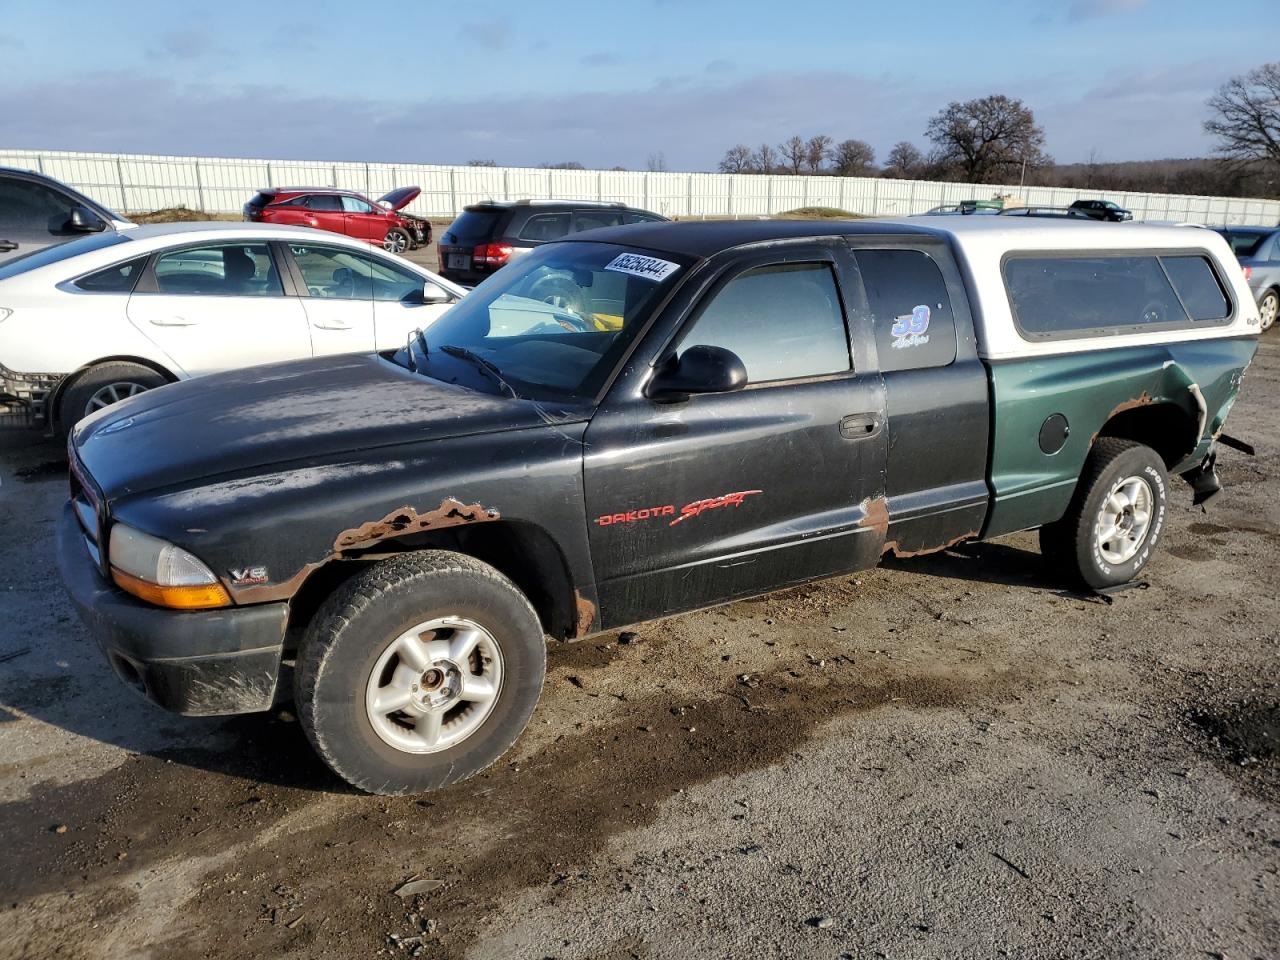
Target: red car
x=342 y=211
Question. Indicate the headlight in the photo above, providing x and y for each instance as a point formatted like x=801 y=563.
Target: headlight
x=5 y=312
x=161 y=573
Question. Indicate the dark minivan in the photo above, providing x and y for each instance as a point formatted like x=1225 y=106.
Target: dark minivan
x=487 y=236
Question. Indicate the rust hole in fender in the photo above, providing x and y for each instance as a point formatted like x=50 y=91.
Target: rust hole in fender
x=586 y=614
x=406 y=520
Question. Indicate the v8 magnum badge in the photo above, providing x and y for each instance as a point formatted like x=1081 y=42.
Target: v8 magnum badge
x=248 y=576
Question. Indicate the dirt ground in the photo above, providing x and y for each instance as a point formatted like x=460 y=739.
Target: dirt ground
x=945 y=757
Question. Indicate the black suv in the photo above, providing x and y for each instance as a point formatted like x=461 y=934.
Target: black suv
x=1102 y=210
x=489 y=235
x=38 y=211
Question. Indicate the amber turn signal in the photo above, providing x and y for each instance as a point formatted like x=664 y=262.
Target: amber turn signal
x=199 y=597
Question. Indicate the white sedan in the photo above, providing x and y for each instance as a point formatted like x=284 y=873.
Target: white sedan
x=104 y=317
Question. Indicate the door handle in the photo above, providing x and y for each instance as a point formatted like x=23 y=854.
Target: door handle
x=331 y=326
x=858 y=426
x=174 y=321
x=7 y=245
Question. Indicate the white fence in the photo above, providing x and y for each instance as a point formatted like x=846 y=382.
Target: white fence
x=134 y=183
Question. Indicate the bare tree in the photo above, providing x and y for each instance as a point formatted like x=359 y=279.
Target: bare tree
x=988 y=139
x=853 y=158
x=794 y=153
x=737 y=160
x=1246 y=116
x=904 y=162
x=816 y=151
x=765 y=159
x=481 y=163
x=563 y=165
x=656 y=162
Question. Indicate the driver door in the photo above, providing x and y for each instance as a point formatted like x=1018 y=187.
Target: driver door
x=721 y=496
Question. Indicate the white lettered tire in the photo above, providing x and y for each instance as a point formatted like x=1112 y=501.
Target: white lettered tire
x=1116 y=518
x=419 y=672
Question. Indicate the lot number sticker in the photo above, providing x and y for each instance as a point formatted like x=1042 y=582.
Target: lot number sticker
x=651 y=268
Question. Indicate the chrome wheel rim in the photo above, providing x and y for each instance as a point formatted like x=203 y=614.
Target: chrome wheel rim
x=1267 y=310
x=1124 y=520
x=112 y=393
x=394 y=243
x=434 y=685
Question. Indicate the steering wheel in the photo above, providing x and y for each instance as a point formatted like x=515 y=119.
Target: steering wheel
x=1153 y=312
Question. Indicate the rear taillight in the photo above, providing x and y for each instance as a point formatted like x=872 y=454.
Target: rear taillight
x=494 y=254
x=1248 y=272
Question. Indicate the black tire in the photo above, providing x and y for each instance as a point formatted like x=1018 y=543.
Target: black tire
x=126 y=377
x=397 y=241
x=1072 y=543
x=361 y=620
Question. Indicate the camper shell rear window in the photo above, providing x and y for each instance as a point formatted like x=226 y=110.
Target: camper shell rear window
x=1083 y=293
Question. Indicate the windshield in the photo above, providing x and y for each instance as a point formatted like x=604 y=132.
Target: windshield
x=1244 y=243
x=552 y=325
x=47 y=255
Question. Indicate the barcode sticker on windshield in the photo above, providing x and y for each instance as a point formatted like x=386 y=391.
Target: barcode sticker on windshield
x=651 y=268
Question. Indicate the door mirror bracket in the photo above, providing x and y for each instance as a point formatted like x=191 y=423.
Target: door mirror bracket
x=700 y=369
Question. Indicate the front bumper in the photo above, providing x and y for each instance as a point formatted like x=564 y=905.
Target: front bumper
x=199 y=663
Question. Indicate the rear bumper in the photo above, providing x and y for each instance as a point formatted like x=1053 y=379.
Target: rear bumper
x=29 y=392
x=199 y=663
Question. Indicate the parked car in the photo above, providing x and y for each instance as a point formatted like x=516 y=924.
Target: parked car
x=113 y=314
x=382 y=222
x=1258 y=251
x=964 y=208
x=406 y=529
x=1102 y=210
x=38 y=211
x=1060 y=213
x=487 y=236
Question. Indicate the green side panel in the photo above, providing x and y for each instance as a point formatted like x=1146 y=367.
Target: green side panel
x=1031 y=488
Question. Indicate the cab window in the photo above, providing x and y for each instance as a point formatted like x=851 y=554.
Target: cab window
x=784 y=321
x=906 y=298
x=222 y=270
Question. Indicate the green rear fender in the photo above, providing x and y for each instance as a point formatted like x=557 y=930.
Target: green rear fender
x=1174 y=397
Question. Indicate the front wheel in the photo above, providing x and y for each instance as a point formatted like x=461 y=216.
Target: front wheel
x=1116 y=517
x=396 y=241
x=419 y=672
x=1268 y=308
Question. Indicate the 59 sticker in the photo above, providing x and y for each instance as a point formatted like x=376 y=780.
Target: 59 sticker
x=910 y=330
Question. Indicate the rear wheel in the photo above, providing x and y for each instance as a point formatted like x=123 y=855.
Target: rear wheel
x=419 y=672
x=103 y=385
x=396 y=241
x=1116 y=516
x=1268 y=308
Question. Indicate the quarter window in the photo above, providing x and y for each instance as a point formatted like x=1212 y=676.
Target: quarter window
x=225 y=270
x=909 y=308
x=546 y=226
x=784 y=321
x=590 y=219
x=118 y=279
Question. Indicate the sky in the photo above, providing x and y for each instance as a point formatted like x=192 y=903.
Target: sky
x=605 y=84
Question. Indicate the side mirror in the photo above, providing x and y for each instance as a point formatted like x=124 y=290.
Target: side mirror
x=84 y=220
x=434 y=293
x=700 y=369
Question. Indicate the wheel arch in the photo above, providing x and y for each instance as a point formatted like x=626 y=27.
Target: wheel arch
x=1165 y=427
x=67 y=382
x=522 y=551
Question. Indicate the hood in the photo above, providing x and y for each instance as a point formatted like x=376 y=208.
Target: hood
x=400 y=197
x=243 y=420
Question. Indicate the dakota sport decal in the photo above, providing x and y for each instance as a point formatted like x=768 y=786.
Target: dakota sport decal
x=688 y=511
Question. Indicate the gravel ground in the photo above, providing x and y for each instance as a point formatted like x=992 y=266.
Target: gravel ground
x=944 y=757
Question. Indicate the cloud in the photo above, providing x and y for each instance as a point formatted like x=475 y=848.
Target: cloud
x=601 y=60
x=186 y=43
x=1089 y=9
x=693 y=120
x=720 y=66
x=490 y=34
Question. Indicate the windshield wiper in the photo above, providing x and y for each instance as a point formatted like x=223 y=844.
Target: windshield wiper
x=486 y=366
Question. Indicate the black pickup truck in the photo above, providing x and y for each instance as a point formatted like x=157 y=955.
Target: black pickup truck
x=643 y=421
